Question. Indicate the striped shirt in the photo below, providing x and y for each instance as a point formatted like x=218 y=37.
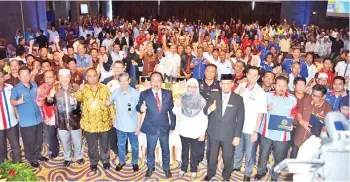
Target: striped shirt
x=281 y=106
x=7 y=113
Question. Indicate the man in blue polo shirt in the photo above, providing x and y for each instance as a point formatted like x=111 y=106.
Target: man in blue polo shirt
x=280 y=103
x=126 y=98
x=23 y=97
x=84 y=61
x=287 y=64
x=198 y=65
x=334 y=96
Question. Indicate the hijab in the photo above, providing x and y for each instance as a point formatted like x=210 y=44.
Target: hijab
x=192 y=104
x=107 y=65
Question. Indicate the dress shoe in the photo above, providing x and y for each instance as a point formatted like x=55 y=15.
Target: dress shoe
x=167 y=173
x=93 y=167
x=149 y=172
x=43 y=159
x=52 y=156
x=119 y=167
x=259 y=176
x=193 y=176
x=207 y=178
x=106 y=165
x=181 y=174
x=238 y=170
x=80 y=161
x=67 y=163
x=246 y=178
x=135 y=167
x=35 y=164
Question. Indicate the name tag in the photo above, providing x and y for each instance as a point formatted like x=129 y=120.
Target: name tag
x=214 y=90
x=229 y=105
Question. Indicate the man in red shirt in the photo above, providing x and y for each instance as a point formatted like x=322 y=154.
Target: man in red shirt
x=141 y=38
x=155 y=25
x=327 y=68
x=246 y=42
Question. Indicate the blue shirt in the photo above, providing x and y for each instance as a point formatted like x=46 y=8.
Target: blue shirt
x=198 y=71
x=263 y=50
x=287 y=66
x=28 y=113
x=274 y=45
x=266 y=66
x=126 y=114
x=85 y=61
x=333 y=100
x=281 y=106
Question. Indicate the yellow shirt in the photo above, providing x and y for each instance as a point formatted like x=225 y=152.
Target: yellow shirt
x=96 y=117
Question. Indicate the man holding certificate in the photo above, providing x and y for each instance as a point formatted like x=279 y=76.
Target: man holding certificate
x=276 y=127
x=310 y=116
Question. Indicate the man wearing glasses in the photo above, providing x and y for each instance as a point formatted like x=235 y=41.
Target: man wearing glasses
x=126 y=123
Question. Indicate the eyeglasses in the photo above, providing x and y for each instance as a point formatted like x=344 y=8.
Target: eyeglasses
x=316 y=96
x=129 y=105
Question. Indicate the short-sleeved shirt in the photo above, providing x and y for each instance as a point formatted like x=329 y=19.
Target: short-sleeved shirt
x=282 y=106
x=172 y=64
x=198 y=70
x=333 y=100
x=83 y=61
x=224 y=68
x=343 y=69
x=28 y=113
x=12 y=80
x=205 y=89
x=287 y=65
x=254 y=103
x=126 y=114
x=7 y=112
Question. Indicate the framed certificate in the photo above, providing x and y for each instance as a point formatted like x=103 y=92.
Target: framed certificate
x=280 y=123
x=316 y=124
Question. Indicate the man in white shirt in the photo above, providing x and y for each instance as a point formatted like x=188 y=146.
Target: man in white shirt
x=223 y=66
x=107 y=41
x=52 y=35
x=296 y=68
x=209 y=55
x=116 y=54
x=311 y=68
x=172 y=62
x=97 y=30
x=254 y=98
x=343 y=67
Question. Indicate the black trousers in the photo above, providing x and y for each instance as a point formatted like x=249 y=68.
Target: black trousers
x=201 y=149
x=51 y=136
x=12 y=134
x=190 y=146
x=32 y=137
x=96 y=141
x=280 y=153
x=113 y=140
x=227 y=155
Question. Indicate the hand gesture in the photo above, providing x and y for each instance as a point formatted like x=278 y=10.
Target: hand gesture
x=178 y=102
x=108 y=103
x=213 y=106
x=52 y=92
x=31 y=42
x=254 y=137
x=235 y=141
x=7 y=76
x=137 y=132
x=133 y=62
x=57 y=40
x=269 y=107
x=143 y=107
x=206 y=61
x=81 y=88
x=20 y=101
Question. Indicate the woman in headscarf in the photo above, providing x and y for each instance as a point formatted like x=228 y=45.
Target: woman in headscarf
x=104 y=69
x=191 y=126
x=133 y=63
x=256 y=61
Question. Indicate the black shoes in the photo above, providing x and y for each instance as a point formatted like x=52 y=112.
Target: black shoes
x=80 y=161
x=246 y=178
x=135 y=167
x=119 y=167
x=52 y=156
x=207 y=178
x=67 y=163
x=93 y=167
x=149 y=172
x=106 y=165
x=35 y=164
x=259 y=176
x=167 y=174
x=43 y=159
x=238 y=170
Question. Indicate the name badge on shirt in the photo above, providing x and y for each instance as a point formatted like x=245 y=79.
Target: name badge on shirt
x=229 y=105
x=214 y=90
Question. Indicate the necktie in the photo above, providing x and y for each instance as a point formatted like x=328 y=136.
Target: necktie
x=158 y=102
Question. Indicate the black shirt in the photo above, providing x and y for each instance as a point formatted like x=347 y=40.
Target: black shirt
x=206 y=89
x=41 y=40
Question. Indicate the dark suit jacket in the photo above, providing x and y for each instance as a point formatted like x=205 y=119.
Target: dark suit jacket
x=131 y=42
x=157 y=121
x=230 y=125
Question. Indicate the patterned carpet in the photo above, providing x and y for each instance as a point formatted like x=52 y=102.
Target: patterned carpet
x=53 y=170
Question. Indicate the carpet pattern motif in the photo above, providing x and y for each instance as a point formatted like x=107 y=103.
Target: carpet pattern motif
x=53 y=170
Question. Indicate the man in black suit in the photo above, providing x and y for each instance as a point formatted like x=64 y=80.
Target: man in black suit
x=226 y=116
x=157 y=103
x=127 y=40
x=119 y=38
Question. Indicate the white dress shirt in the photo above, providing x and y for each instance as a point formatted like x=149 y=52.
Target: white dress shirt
x=224 y=68
x=172 y=64
x=225 y=99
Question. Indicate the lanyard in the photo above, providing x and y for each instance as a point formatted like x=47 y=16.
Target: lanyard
x=346 y=69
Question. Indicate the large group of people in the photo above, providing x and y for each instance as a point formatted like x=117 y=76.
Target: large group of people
x=248 y=86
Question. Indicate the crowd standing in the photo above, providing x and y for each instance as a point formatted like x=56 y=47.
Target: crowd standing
x=84 y=79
